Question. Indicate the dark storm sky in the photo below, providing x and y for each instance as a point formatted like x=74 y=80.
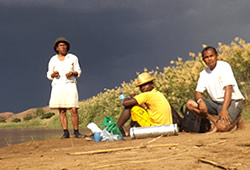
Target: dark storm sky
x=113 y=40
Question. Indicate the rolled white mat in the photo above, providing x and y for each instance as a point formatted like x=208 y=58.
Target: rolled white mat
x=153 y=131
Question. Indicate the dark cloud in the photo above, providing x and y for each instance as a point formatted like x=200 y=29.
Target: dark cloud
x=112 y=39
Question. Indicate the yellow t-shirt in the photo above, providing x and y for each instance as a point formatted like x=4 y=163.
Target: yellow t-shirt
x=159 y=108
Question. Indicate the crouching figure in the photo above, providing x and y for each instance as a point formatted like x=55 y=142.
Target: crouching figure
x=149 y=108
x=225 y=106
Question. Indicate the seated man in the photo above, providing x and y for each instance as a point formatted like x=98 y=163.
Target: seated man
x=226 y=103
x=150 y=108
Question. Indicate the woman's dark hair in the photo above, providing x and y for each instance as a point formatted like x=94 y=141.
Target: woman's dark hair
x=208 y=48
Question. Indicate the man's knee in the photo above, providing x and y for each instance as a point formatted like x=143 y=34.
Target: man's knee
x=190 y=104
x=222 y=126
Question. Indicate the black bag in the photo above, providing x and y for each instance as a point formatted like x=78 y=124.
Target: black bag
x=177 y=119
x=193 y=123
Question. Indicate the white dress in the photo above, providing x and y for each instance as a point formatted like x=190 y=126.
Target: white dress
x=64 y=92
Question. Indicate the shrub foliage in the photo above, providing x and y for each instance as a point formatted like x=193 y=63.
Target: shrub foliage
x=47 y=115
x=2 y=121
x=16 y=120
x=27 y=117
x=177 y=82
x=39 y=111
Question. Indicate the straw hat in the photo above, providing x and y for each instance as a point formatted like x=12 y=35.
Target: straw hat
x=144 y=78
x=59 y=40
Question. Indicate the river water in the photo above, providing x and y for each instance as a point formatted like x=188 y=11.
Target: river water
x=15 y=136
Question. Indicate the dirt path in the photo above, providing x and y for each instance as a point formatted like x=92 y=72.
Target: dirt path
x=191 y=151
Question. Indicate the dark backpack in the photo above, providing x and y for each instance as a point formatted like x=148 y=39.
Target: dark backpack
x=190 y=122
x=193 y=123
x=177 y=119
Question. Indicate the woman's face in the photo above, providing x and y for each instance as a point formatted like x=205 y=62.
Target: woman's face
x=62 y=48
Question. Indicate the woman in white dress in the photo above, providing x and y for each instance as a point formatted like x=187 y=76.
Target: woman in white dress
x=63 y=69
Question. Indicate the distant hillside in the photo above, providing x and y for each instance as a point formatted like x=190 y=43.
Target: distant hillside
x=32 y=112
x=5 y=115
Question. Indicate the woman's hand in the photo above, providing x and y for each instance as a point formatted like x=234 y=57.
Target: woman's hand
x=69 y=74
x=55 y=74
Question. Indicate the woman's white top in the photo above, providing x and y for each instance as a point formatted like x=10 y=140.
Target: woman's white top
x=69 y=64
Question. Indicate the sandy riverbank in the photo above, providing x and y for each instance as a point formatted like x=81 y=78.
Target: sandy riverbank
x=189 y=151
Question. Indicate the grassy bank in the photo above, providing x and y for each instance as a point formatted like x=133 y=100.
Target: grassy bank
x=177 y=82
x=24 y=124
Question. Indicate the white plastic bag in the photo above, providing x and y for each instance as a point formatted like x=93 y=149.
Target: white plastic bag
x=106 y=136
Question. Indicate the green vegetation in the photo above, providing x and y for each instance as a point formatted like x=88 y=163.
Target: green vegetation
x=54 y=122
x=27 y=117
x=16 y=120
x=177 y=82
x=39 y=112
x=47 y=115
x=246 y=112
x=34 y=123
x=2 y=121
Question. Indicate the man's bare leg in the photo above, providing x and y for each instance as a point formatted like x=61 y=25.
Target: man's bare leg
x=224 y=127
x=240 y=124
x=125 y=115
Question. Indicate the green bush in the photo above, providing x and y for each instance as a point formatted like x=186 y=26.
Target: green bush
x=177 y=82
x=16 y=120
x=27 y=117
x=47 y=115
x=2 y=121
x=39 y=112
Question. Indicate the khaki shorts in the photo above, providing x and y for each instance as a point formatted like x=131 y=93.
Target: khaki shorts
x=234 y=109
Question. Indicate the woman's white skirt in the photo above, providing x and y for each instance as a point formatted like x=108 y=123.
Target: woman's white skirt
x=64 y=96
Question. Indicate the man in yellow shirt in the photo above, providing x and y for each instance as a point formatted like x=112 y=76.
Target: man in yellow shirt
x=150 y=108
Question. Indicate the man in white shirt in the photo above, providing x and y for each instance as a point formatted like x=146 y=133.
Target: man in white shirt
x=225 y=105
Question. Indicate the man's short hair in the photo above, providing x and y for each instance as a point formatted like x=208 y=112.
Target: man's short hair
x=208 y=48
